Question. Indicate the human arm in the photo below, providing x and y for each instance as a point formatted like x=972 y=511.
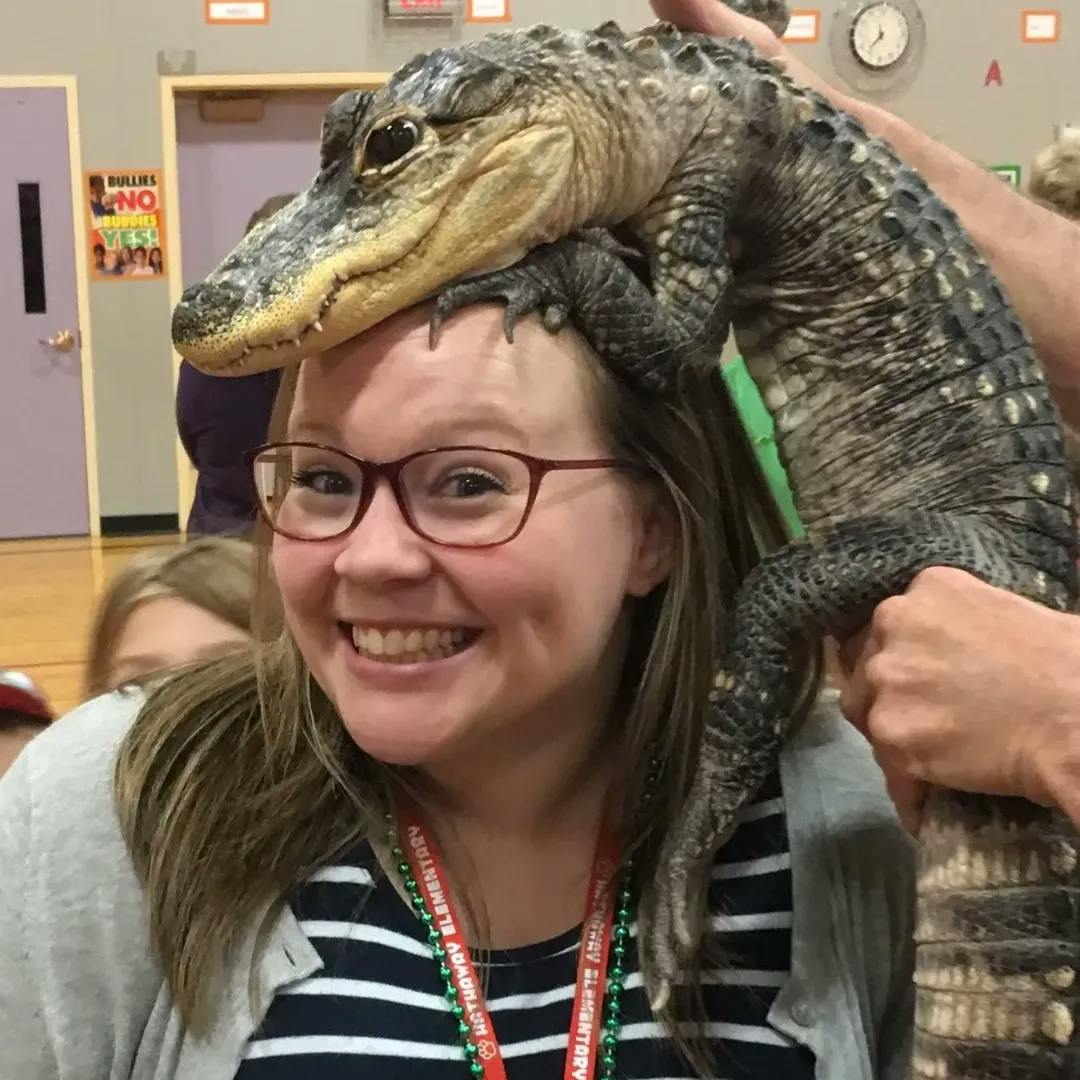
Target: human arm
x=78 y=980
x=24 y=1046
x=1034 y=252
x=966 y=686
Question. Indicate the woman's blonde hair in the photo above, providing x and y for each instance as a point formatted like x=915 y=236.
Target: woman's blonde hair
x=214 y=573
x=221 y=757
x=1055 y=175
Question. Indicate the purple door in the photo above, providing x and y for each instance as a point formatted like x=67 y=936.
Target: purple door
x=42 y=447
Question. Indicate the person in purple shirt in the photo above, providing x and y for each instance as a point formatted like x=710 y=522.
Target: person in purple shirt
x=218 y=419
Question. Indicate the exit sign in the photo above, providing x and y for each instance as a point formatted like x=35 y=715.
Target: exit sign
x=422 y=9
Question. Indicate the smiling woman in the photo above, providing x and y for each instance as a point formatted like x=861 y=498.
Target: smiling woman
x=421 y=826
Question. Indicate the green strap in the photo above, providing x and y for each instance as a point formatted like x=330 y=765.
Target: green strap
x=759 y=426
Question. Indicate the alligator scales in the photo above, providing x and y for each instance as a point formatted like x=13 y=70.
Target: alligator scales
x=914 y=422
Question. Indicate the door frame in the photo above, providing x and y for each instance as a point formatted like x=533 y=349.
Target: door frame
x=171 y=86
x=69 y=84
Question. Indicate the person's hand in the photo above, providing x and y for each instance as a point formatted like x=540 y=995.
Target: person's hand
x=718 y=20
x=962 y=685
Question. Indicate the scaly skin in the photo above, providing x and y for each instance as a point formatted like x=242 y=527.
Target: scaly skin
x=915 y=425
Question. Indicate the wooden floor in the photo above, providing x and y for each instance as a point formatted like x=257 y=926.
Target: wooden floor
x=48 y=592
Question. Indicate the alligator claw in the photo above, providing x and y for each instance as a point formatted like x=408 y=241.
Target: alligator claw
x=662 y=968
x=521 y=292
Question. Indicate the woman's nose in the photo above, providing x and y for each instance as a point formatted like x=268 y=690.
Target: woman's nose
x=383 y=545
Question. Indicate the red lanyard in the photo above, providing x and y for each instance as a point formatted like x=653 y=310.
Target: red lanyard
x=586 y=1023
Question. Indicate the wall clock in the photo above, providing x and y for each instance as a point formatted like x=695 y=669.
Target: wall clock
x=878 y=45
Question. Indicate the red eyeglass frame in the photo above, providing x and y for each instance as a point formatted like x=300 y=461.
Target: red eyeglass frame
x=371 y=471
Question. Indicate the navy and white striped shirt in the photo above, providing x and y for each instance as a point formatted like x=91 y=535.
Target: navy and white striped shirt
x=377 y=1009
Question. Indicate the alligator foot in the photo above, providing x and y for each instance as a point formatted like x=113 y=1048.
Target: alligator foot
x=751 y=698
x=590 y=285
x=522 y=287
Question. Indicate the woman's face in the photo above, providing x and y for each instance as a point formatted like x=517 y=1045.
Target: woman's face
x=167 y=632
x=542 y=617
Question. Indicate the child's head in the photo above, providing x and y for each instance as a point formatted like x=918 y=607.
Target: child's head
x=169 y=607
x=140 y=257
x=1055 y=175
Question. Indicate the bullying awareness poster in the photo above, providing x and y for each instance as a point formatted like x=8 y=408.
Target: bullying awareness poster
x=127 y=225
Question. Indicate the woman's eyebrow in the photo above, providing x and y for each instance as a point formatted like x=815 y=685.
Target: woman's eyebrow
x=481 y=422
x=312 y=431
x=135 y=666
x=469 y=425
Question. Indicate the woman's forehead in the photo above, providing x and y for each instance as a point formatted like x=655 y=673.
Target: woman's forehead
x=391 y=374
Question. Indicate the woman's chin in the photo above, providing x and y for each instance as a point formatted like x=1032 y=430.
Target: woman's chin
x=396 y=738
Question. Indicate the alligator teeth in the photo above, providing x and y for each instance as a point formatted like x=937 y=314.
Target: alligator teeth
x=296 y=341
x=317 y=326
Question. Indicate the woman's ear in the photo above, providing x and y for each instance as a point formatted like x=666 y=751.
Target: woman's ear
x=658 y=532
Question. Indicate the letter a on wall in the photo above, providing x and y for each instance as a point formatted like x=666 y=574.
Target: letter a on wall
x=993 y=74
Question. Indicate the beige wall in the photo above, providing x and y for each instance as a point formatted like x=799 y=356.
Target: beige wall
x=113 y=49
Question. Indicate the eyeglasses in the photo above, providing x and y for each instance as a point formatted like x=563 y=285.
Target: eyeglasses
x=455 y=496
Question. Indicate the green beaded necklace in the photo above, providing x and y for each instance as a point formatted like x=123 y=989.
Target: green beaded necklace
x=616 y=975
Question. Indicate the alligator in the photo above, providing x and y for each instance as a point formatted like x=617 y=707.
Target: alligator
x=911 y=414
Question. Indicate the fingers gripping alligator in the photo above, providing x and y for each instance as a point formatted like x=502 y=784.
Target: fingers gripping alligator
x=914 y=422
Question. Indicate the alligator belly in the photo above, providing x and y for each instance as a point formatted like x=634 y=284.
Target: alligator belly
x=997 y=942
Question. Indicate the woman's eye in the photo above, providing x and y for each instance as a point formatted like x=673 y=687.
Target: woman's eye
x=322 y=481
x=464 y=485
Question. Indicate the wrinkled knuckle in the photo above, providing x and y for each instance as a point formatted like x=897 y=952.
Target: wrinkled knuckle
x=886 y=735
x=889 y=615
x=881 y=671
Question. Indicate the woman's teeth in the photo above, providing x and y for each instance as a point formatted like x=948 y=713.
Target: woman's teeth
x=410 y=646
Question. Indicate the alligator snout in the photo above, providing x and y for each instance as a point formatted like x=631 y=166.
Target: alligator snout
x=206 y=309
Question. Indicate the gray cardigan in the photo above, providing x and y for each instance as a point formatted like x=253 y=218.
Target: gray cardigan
x=82 y=996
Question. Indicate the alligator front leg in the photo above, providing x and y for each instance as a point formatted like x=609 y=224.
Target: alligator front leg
x=587 y=283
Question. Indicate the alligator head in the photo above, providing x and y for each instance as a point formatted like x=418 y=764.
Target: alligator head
x=458 y=164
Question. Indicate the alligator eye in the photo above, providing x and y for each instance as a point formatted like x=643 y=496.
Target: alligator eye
x=390 y=142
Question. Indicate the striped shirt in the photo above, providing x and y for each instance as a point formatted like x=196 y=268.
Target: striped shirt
x=377 y=1009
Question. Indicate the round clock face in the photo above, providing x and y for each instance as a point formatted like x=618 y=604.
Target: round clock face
x=879 y=35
